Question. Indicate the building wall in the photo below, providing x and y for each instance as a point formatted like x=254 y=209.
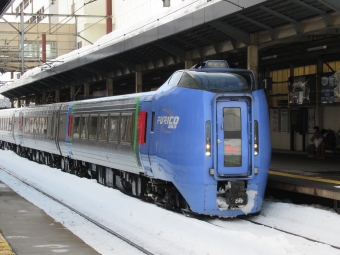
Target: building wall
x=326 y=115
x=62 y=37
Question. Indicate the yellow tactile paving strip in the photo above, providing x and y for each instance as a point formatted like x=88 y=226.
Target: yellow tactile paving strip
x=5 y=249
x=305 y=177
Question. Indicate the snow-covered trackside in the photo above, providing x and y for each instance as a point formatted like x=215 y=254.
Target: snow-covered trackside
x=164 y=232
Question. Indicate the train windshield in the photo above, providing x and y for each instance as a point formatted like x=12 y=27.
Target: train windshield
x=219 y=81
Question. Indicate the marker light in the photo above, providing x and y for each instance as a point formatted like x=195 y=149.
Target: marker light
x=216 y=64
x=256 y=138
x=207 y=138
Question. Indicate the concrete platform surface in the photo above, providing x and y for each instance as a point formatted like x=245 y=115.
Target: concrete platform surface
x=30 y=231
x=298 y=163
x=293 y=171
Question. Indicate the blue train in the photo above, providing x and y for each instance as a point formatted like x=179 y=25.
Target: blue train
x=200 y=143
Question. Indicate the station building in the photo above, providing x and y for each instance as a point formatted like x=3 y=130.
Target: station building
x=75 y=50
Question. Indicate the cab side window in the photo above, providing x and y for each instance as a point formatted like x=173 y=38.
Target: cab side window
x=188 y=82
x=175 y=78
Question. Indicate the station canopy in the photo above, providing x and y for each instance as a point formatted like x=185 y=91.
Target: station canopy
x=287 y=33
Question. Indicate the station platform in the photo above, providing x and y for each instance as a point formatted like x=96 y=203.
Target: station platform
x=26 y=229
x=294 y=171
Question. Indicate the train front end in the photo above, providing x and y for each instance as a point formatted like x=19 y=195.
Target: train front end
x=217 y=154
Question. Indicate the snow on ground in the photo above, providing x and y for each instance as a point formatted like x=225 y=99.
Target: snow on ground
x=164 y=232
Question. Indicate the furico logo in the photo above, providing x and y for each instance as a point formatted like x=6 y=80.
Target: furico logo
x=168 y=122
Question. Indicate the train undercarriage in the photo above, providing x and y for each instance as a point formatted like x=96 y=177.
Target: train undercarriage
x=160 y=192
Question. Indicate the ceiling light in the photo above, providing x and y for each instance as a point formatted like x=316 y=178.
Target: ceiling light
x=269 y=57
x=317 y=48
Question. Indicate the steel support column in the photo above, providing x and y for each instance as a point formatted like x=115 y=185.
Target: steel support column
x=253 y=58
x=86 y=90
x=109 y=87
x=27 y=101
x=57 y=96
x=188 y=64
x=72 y=93
x=43 y=98
x=139 y=82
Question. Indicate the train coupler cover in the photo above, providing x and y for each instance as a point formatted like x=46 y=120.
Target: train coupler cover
x=236 y=194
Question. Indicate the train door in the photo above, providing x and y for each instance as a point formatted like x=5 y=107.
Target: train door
x=145 y=148
x=55 y=128
x=233 y=138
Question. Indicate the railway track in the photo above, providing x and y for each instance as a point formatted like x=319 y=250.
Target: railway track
x=278 y=229
x=135 y=245
x=205 y=219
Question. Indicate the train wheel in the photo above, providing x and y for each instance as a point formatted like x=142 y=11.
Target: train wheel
x=126 y=185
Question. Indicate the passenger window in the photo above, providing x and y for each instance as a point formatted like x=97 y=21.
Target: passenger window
x=125 y=128
x=93 y=127
x=102 y=127
x=113 y=128
x=31 y=125
x=175 y=78
x=84 y=127
x=76 y=127
x=35 y=125
x=188 y=82
x=27 y=125
x=20 y=123
x=43 y=125
x=10 y=124
x=49 y=120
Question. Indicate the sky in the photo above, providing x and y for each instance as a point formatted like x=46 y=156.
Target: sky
x=164 y=232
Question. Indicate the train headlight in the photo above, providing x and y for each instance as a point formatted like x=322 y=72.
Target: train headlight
x=207 y=138
x=256 y=138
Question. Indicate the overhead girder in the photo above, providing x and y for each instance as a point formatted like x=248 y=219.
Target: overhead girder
x=323 y=14
x=96 y=70
x=171 y=49
x=270 y=30
x=295 y=23
x=195 y=46
x=59 y=79
x=333 y=4
x=11 y=94
x=214 y=44
x=72 y=75
x=45 y=85
x=125 y=63
x=232 y=31
x=33 y=86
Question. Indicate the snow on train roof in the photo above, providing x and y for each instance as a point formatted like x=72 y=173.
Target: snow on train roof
x=116 y=36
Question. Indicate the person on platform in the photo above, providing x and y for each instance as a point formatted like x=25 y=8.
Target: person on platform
x=316 y=139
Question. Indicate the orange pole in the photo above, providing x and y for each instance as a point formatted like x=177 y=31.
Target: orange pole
x=108 y=13
x=43 y=47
